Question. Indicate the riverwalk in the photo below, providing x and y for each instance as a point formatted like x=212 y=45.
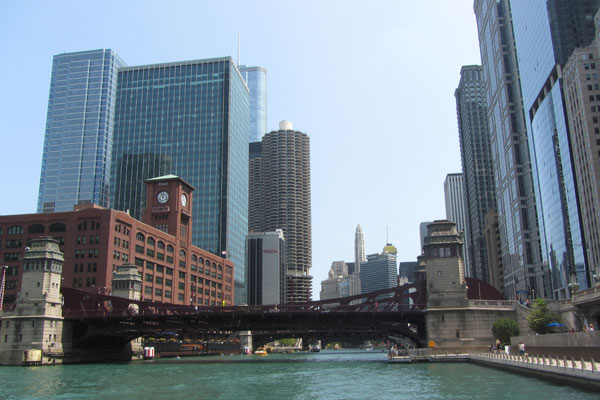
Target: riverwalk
x=581 y=372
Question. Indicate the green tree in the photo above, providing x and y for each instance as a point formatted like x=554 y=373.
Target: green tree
x=503 y=329
x=540 y=316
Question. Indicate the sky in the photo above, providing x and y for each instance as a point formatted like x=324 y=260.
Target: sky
x=371 y=82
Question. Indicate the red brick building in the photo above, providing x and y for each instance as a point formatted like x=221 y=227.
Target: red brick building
x=95 y=240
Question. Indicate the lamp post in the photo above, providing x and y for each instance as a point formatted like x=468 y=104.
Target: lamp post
x=4 y=268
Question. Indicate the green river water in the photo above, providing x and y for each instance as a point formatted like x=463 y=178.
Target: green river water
x=341 y=374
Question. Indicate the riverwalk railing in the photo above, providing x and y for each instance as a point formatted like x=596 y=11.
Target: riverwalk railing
x=569 y=367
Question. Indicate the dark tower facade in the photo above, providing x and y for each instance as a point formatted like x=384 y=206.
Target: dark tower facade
x=476 y=164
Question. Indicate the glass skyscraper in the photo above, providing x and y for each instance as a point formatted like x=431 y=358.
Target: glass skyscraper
x=546 y=33
x=256 y=79
x=79 y=130
x=189 y=119
x=523 y=272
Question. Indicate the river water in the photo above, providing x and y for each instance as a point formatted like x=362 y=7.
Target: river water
x=340 y=374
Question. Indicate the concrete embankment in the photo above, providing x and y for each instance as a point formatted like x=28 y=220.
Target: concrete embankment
x=569 y=371
x=580 y=372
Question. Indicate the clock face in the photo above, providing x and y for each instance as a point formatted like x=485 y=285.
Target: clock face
x=162 y=197
x=183 y=200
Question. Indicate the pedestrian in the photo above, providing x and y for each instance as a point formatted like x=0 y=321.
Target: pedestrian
x=527 y=303
x=521 y=348
x=591 y=327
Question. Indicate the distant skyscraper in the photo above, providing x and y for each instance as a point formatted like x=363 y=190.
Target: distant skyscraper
x=520 y=257
x=265 y=258
x=359 y=248
x=423 y=233
x=190 y=119
x=543 y=45
x=339 y=283
x=454 y=193
x=286 y=203
x=408 y=270
x=476 y=160
x=79 y=130
x=380 y=271
x=255 y=188
x=256 y=79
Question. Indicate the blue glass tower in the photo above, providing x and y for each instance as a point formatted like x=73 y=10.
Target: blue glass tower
x=256 y=79
x=79 y=130
x=189 y=119
x=546 y=33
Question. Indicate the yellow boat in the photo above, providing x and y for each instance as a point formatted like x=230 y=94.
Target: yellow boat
x=261 y=352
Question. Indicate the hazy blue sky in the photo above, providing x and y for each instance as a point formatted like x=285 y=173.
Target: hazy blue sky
x=371 y=82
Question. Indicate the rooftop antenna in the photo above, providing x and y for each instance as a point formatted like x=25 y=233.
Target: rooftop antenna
x=387 y=235
x=238 y=49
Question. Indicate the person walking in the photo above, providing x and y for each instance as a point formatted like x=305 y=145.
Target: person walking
x=521 y=348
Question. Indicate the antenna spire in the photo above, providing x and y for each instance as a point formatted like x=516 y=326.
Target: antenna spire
x=238 y=60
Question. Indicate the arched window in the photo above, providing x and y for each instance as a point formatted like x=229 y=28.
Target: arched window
x=200 y=260
x=58 y=227
x=214 y=265
x=169 y=248
x=160 y=245
x=139 y=236
x=15 y=230
x=220 y=267
x=194 y=258
x=182 y=253
x=37 y=228
x=207 y=263
x=150 y=241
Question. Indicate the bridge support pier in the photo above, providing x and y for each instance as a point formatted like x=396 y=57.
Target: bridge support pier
x=245 y=342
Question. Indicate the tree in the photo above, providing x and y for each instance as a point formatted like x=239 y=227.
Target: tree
x=504 y=328
x=540 y=316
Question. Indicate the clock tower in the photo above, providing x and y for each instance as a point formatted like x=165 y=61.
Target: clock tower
x=169 y=206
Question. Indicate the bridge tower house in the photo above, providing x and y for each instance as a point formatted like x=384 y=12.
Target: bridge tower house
x=127 y=283
x=32 y=333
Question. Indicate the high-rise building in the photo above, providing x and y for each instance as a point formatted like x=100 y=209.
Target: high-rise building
x=265 y=260
x=423 y=233
x=191 y=119
x=476 y=161
x=256 y=80
x=255 y=187
x=454 y=194
x=286 y=203
x=408 y=270
x=359 y=248
x=79 y=130
x=582 y=93
x=520 y=258
x=380 y=271
x=543 y=45
x=339 y=282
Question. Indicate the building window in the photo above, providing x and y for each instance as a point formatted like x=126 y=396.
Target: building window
x=139 y=237
x=149 y=278
x=58 y=227
x=158 y=292
x=168 y=282
x=15 y=230
x=148 y=290
x=169 y=248
x=160 y=245
x=159 y=280
x=151 y=241
x=168 y=294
